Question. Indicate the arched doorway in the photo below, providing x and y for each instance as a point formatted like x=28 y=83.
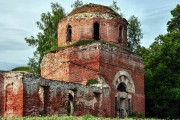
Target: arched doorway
x=96 y=31
x=124 y=88
x=122 y=106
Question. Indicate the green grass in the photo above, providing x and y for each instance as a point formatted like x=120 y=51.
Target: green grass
x=22 y=68
x=64 y=117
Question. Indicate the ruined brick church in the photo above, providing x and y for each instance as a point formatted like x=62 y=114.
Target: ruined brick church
x=62 y=89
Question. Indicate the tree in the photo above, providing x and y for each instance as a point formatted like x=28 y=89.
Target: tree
x=162 y=77
x=174 y=24
x=46 y=39
x=115 y=7
x=76 y=4
x=162 y=73
x=134 y=33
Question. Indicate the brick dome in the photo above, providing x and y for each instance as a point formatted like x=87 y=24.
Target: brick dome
x=89 y=8
x=92 y=22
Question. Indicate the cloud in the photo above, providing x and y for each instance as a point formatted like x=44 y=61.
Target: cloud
x=8 y=65
x=12 y=32
x=11 y=39
x=11 y=45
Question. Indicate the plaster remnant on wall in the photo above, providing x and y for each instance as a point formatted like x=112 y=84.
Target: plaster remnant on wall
x=13 y=78
x=90 y=16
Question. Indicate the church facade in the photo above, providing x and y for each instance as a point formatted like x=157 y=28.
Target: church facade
x=101 y=56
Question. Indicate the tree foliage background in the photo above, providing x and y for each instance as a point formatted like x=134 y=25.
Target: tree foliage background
x=134 y=32
x=162 y=72
x=46 y=39
x=76 y=4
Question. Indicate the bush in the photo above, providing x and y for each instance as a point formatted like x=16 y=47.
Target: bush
x=83 y=42
x=136 y=115
x=92 y=81
x=27 y=69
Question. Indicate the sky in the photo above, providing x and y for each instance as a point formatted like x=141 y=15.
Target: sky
x=18 y=21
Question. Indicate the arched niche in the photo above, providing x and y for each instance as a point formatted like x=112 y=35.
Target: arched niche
x=121 y=34
x=124 y=78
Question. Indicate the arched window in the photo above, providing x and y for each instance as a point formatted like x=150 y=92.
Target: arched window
x=122 y=87
x=96 y=31
x=121 y=32
x=69 y=33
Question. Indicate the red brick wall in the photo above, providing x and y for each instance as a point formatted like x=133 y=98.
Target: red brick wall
x=91 y=61
x=77 y=67
x=11 y=94
x=85 y=101
x=1 y=95
x=82 y=29
x=112 y=62
x=13 y=101
x=139 y=103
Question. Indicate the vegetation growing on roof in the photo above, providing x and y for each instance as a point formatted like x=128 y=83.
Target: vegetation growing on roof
x=92 y=81
x=94 y=8
x=23 y=68
x=80 y=43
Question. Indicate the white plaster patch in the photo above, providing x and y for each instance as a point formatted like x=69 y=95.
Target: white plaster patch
x=90 y=16
x=13 y=78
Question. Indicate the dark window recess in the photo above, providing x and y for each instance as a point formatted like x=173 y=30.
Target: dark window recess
x=129 y=105
x=120 y=34
x=96 y=31
x=69 y=33
x=116 y=106
x=122 y=87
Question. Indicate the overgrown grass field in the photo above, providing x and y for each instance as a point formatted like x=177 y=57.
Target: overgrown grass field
x=85 y=117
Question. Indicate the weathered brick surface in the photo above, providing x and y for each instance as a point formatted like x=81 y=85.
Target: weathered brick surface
x=24 y=99
x=139 y=103
x=82 y=25
x=94 y=60
x=12 y=94
x=83 y=30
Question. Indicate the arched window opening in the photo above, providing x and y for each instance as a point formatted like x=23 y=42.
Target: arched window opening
x=122 y=87
x=120 y=34
x=69 y=33
x=96 y=31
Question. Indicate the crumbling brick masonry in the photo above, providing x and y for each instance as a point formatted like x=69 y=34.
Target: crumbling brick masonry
x=62 y=89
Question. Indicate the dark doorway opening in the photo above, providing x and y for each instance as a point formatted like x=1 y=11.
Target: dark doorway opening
x=70 y=106
x=96 y=31
x=129 y=106
x=44 y=98
x=69 y=33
